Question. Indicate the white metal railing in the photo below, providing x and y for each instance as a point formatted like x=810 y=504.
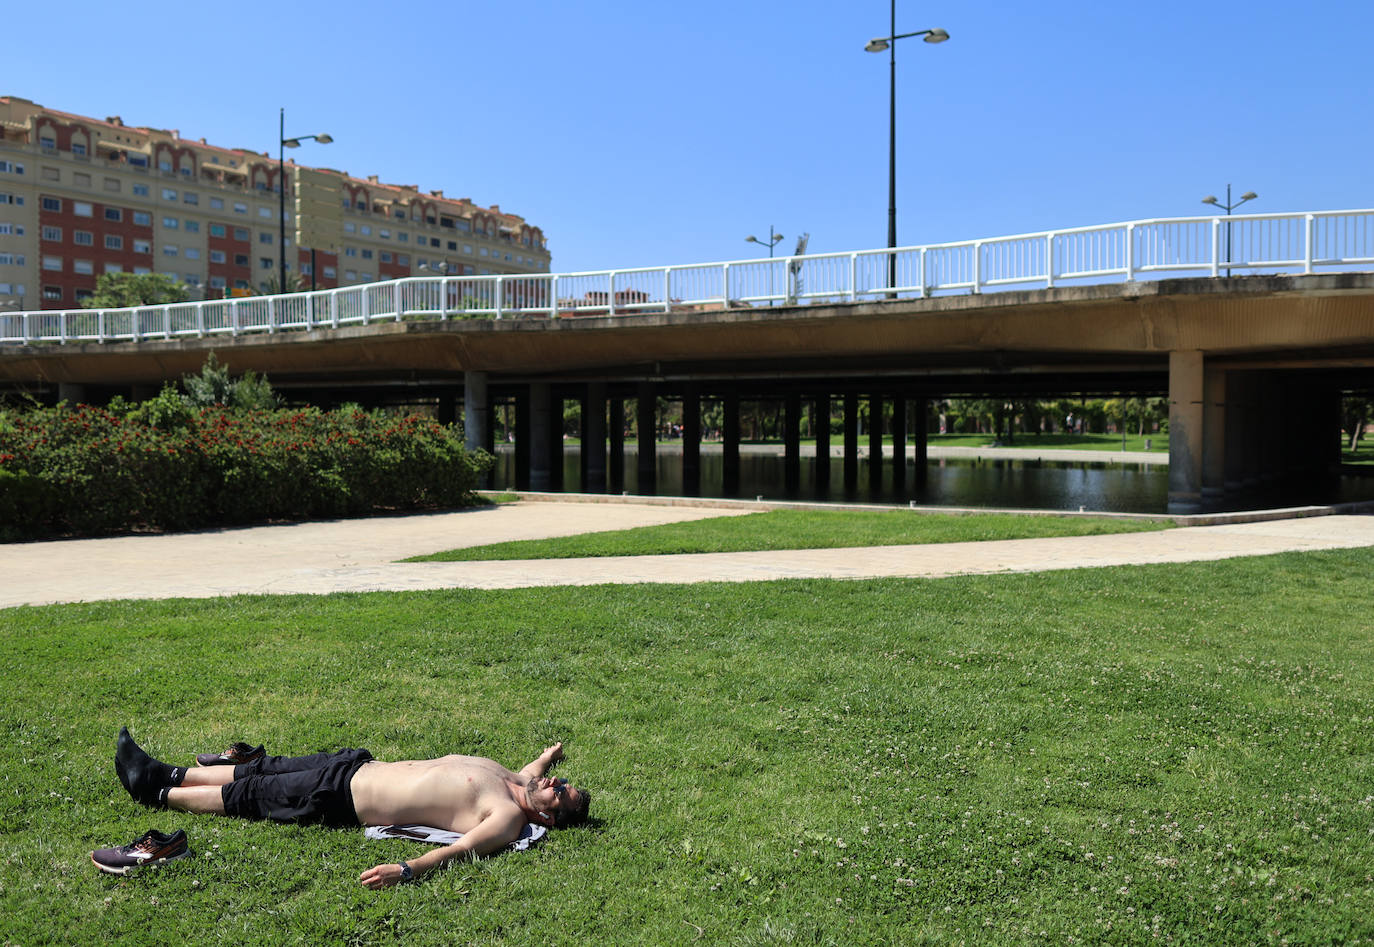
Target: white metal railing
x=1140 y=249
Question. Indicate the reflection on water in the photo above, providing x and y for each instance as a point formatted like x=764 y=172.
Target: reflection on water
x=1024 y=484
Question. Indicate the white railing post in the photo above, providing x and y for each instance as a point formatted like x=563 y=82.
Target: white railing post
x=200 y=319
x=100 y=325
x=667 y=289
x=500 y=297
x=610 y=294
x=398 y=300
x=1049 y=260
x=1310 y=243
x=553 y=295
x=925 y=283
x=1130 y=252
x=133 y=324
x=234 y=327
x=1216 y=246
x=334 y=308
x=978 y=266
x=725 y=286
x=25 y=321
x=366 y=307
x=271 y=314
x=854 y=277
x=167 y=322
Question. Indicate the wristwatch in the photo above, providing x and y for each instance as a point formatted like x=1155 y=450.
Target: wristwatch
x=407 y=873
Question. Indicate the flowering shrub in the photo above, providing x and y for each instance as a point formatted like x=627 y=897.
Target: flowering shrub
x=86 y=470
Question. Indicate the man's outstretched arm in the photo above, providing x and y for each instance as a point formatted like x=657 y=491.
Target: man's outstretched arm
x=539 y=766
x=490 y=835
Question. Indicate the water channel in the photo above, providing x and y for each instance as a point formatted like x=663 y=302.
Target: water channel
x=1021 y=484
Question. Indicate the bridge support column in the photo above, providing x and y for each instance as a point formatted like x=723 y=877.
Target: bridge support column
x=1215 y=421
x=1185 y=431
x=851 y=441
x=899 y=443
x=540 y=437
x=476 y=411
x=646 y=414
x=70 y=392
x=522 y=439
x=594 y=438
x=730 y=445
x=691 y=441
x=875 y=445
x=791 y=442
x=615 y=426
x=820 y=426
x=919 y=429
x=1239 y=421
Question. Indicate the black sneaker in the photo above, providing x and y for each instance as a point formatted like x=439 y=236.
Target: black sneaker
x=233 y=755
x=152 y=848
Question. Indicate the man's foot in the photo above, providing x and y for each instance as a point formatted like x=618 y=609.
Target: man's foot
x=146 y=779
x=233 y=755
x=152 y=848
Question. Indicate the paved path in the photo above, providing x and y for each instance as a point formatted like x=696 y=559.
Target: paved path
x=359 y=555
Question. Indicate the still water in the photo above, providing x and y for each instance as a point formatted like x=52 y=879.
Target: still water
x=1023 y=484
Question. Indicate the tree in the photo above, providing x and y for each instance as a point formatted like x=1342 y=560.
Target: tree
x=293 y=285
x=118 y=290
x=1355 y=414
x=213 y=386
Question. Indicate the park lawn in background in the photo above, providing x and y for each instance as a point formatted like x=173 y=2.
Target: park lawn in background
x=798 y=529
x=1133 y=755
x=1159 y=441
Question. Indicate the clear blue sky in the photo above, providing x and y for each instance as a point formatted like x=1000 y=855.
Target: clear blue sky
x=639 y=134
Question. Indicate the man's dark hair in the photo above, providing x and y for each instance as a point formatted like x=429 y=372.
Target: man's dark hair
x=566 y=815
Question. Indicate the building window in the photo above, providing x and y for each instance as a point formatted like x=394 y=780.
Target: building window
x=367 y=231
x=242 y=284
x=467 y=248
x=192 y=226
x=307 y=269
x=138 y=161
x=140 y=190
x=403 y=236
x=217 y=256
x=170 y=250
x=386 y=257
x=265 y=212
x=403 y=259
x=169 y=194
x=143 y=246
x=82 y=209
x=81 y=295
x=265 y=262
x=113 y=268
x=10 y=198
x=114 y=242
x=52 y=233
x=190 y=197
x=265 y=238
x=143 y=218
x=350 y=251
x=330 y=272
x=164 y=165
x=434 y=242
x=12 y=259
x=217 y=203
x=114 y=213
x=217 y=230
x=52 y=174
x=53 y=204
x=52 y=263
x=52 y=293
x=191 y=253
x=241 y=234
x=47 y=143
x=240 y=259
x=384 y=234
x=350 y=227
x=11 y=168
x=350 y=274
x=84 y=267
x=240 y=208
x=171 y=223
x=83 y=238
x=112 y=184
x=81 y=179
x=367 y=254
x=217 y=282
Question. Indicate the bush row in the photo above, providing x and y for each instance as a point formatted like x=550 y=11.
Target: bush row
x=86 y=470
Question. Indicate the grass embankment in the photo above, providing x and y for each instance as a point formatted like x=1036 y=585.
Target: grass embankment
x=1136 y=755
x=1159 y=443
x=796 y=529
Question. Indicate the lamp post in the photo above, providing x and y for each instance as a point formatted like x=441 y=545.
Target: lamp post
x=773 y=240
x=878 y=45
x=1228 y=207
x=283 y=144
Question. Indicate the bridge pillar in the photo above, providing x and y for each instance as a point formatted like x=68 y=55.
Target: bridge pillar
x=541 y=422
x=820 y=427
x=1185 y=431
x=646 y=413
x=594 y=438
x=919 y=430
x=1239 y=415
x=1215 y=423
x=71 y=392
x=522 y=438
x=899 y=443
x=615 y=426
x=791 y=442
x=691 y=441
x=730 y=445
x=875 y=445
x=851 y=441
x=476 y=411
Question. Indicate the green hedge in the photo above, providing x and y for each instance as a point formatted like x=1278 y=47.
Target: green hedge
x=85 y=470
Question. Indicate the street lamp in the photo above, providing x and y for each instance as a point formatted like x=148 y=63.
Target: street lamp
x=442 y=268
x=1228 y=207
x=281 y=192
x=878 y=45
x=773 y=240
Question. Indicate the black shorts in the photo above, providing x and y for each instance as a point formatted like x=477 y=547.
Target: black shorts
x=305 y=789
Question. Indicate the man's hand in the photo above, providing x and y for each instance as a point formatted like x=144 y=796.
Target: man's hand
x=381 y=876
x=554 y=753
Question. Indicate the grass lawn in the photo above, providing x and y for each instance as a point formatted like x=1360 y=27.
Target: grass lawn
x=1159 y=442
x=1157 y=754
x=797 y=529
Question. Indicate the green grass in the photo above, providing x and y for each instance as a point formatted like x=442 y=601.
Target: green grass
x=1078 y=757
x=796 y=529
x=1159 y=443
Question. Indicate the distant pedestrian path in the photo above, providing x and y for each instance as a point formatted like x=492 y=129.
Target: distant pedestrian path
x=360 y=555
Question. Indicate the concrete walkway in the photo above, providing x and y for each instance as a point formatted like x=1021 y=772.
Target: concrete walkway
x=359 y=555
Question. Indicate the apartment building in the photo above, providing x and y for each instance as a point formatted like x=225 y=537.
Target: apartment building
x=81 y=196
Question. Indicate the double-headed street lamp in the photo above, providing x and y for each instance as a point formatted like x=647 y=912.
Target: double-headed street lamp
x=878 y=45
x=773 y=240
x=281 y=192
x=1228 y=207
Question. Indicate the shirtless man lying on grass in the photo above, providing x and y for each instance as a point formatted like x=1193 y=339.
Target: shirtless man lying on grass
x=479 y=797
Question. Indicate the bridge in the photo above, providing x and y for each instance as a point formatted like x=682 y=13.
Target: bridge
x=1253 y=325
